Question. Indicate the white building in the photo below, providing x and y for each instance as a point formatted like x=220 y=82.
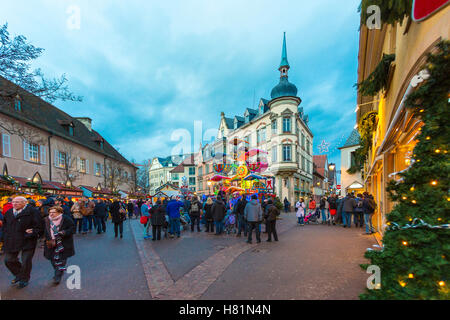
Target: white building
x=280 y=128
x=159 y=172
x=350 y=182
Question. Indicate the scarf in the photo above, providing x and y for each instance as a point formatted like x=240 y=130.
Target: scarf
x=54 y=231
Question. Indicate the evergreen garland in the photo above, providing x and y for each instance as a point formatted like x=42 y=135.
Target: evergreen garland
x=392 y=11
x=378 y=79
x=366 y=127
x=414 y=261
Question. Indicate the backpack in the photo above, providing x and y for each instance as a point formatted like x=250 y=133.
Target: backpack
x=372 y=205
x=194 y=207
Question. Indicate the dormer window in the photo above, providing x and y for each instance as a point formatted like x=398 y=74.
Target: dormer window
x=17 y=104
x=101 y=144
x=68 y=126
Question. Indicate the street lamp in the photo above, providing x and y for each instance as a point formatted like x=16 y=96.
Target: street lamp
x=331 y=167
x=209 y=187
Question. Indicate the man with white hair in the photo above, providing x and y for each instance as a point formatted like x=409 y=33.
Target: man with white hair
x=22 y=225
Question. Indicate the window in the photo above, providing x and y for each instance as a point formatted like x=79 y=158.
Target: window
x=98 y=169
x=192 y=181
x=31 y=152
x=17 y=105
x=274 y=154
x=303 y=141
x=6 y=143
x=71 y=131
x=352 y=159
x=286 y=125
x=82 y=164
x=308 y=166
x=192 y=171
x=247 y=138
x=263 y=134
x=303 y=163
x=287 y=152
x=60 y=159
x=274 y=127
x=200 y=171
x=308 y=146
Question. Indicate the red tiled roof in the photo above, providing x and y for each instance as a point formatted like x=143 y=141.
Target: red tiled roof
x=320 y=161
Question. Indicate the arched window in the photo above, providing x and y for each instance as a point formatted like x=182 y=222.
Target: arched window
x=5 y=170
x=37 y=178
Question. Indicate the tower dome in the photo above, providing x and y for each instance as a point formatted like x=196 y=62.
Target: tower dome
x=284 y=88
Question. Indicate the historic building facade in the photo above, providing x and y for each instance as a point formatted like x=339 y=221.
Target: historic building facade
x=396 y=128
x=39 y=142
x=279 y=129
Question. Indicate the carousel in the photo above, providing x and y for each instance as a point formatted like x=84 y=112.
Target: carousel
x=244 y=177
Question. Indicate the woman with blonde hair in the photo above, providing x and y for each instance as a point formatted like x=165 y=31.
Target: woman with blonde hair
x=208 y=215
x=77 y=215
x=58 y=231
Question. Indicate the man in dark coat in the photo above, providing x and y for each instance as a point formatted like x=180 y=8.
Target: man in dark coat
x=194 y=214
x=22 y=226
x=218 y=213
x=240 y=207
x=100 y=214
x=59 y=202
x=272 y=213
x=130 y=208
x=157 y=216
x=347 y=210
x=117 y=217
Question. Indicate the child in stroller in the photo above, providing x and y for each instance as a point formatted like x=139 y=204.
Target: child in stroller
x=185 y=219
x=313 y=217
x=230 y=222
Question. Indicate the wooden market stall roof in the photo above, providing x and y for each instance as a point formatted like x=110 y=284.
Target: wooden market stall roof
x=46 y=185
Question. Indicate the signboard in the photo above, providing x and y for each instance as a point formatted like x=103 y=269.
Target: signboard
x=338 y=187
x=422 y=9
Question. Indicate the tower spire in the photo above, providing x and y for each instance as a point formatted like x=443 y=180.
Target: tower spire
x=284 y=65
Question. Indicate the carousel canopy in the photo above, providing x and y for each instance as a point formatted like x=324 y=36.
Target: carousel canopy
x=254 y=177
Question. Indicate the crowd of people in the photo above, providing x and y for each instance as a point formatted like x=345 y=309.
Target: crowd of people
x=334 y=210
x=54 y=221
x=217 y=214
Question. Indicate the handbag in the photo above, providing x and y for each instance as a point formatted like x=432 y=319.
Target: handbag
x=144 y=220
x=50 y=243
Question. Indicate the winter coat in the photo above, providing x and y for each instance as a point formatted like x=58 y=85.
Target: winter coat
x=218 y=211
x=90 y=208
x=333 y=202
x=116 y=216
x=240 y=207
x=196 y=213
x=67 y=225
x=322 y=203
x=173 y=209
x=369 y=205
x=208 y=212
x=145 y=210
x=130 y=207
x=157 y=214
x=14 y=235
x=101 y=210
x=312 y=205
x=359 y=205
x=272 y=212
x=253 y=211
x=300 y=209
x=349 y=204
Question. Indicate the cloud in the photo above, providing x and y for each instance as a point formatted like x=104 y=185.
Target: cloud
x=147 y=68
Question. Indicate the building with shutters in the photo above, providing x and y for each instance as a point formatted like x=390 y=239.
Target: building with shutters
x=40 y=142
x=279 y=128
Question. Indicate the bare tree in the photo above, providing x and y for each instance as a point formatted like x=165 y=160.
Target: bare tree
x=142 y=177
x=16 y=56
x=70 y=171
x=115 y=174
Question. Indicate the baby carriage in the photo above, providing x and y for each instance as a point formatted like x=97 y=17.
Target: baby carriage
x=312 y=217
x=185 y=220
x=230 y=223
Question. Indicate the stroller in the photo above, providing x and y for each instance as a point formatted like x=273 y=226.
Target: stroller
x=185 y=220
x=230 y=223
x=312 y=217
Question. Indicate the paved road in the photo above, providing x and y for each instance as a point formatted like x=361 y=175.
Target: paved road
x=110 y=269
x=311 y=262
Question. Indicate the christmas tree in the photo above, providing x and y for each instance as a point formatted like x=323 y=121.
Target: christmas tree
x=414 y=259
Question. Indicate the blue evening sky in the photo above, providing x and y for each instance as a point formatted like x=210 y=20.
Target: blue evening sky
x=147 y=68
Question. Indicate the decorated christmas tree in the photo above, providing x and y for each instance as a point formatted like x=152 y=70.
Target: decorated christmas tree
x=414 y=259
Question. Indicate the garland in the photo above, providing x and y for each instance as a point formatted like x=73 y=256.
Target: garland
x=366 y=127
x=392 y=11
x=378 y=79
x=38 y=186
